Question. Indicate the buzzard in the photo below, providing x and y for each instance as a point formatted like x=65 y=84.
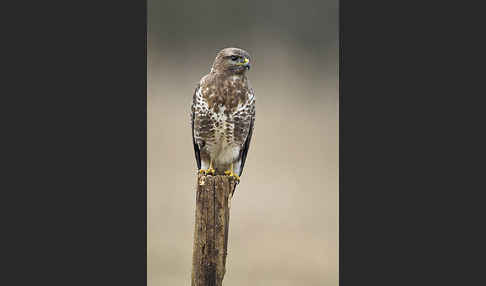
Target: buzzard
x=223 y=115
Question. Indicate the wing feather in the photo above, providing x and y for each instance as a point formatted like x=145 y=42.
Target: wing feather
x=246 y=146
x=197 y=152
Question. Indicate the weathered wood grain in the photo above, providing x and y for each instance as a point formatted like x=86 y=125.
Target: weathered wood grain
x=211 y=229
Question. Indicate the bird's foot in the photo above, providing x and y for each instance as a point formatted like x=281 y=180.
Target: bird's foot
x=207 y=171
x=231 y=174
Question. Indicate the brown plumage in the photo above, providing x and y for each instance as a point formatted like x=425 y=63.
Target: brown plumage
x=223 y=114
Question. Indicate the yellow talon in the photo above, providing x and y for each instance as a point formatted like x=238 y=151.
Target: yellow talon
x=207 y=171
x=232 y=174
x=210 y=170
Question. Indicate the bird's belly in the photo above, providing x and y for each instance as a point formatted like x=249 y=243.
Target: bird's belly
x=223 y=150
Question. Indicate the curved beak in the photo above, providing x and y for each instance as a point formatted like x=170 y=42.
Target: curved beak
x=245 y=63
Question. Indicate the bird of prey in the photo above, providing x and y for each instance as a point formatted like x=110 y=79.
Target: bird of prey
x=223 y=115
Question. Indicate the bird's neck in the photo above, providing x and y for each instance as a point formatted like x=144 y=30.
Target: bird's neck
x=230 y=76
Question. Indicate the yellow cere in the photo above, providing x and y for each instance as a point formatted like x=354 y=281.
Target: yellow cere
x=245 y=62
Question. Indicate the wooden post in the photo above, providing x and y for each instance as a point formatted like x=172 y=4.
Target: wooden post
x=211 y=229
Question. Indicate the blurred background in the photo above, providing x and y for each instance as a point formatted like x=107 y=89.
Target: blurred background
x=284 y=215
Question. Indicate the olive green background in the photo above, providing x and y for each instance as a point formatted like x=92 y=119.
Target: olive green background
x=284 y=215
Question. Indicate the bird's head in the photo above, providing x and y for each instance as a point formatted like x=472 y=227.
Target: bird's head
x=232 y=61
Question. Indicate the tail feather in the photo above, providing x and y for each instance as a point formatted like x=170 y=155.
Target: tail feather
x=231 y=195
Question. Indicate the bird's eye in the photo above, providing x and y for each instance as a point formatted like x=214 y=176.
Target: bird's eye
x=234 y=58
